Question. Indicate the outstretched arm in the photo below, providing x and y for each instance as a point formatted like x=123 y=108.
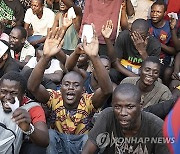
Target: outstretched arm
x=175 y=39
x=106 y=32
x=52 y=46
x=72 y=61
x=104 y=81
x=175 y=74
x=73 y=58
x=129 y=8
x=124 y=20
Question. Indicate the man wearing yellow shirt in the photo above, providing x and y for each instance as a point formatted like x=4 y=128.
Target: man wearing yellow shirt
x=73 y=108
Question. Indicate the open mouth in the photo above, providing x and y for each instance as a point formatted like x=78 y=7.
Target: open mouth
x=154 y=18
x=11 y=45
x=6 y=105
x=70 y=95
x=149 y=79
x=124 y=122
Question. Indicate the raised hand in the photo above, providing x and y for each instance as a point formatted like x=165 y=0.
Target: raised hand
x=91 y=49
x=66 y=21
x=172 y=23
x=53 y=42
x=107 y=30
x=139 y=42
x=22 y=118
x=79 y=49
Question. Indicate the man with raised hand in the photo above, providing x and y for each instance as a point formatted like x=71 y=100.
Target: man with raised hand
x=73 y=108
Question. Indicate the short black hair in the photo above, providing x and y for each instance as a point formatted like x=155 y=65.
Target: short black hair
x=140 y=24
x=128 y=88
x=41 y=1
x=15 y=76
x=105 y=57
x=153 y=59
x=160 y=2
x=22 y=30
x=75 y=73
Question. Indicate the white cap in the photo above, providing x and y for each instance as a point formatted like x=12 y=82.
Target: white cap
x=3 y=48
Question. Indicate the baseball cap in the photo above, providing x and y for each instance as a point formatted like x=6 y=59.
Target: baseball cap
x=3 y=48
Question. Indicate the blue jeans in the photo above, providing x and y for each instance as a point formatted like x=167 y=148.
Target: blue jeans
x=65 y=143
x=35 y=38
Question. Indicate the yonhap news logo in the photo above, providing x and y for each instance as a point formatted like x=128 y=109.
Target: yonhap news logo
x=104 y=139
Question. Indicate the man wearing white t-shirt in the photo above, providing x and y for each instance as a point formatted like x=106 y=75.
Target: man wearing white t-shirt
x=52 y=72
x=40 y=18
x=21 y=49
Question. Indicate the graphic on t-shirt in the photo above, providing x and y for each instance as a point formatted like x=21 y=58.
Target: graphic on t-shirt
x=163 y=37
x=6 y=12
x=135 y=60
x=129 y=145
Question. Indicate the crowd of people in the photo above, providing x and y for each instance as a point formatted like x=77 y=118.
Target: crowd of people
x=115 y=89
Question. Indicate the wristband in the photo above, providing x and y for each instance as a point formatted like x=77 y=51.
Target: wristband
x=30 y=131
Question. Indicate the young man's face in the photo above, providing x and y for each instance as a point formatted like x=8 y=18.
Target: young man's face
x=36 y=7
x=149 y=73
x=82 y=60
x=8 y=91
x=157 y=13
x=127 y=110
x=106 y=64
x=62 y=6
x=72 y=88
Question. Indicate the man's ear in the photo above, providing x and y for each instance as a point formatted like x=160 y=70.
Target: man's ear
x=23 y=40
x=5 y=56
x=165 y=13
x=84 y=90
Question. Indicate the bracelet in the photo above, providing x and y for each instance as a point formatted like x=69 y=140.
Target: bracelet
x=30 y=131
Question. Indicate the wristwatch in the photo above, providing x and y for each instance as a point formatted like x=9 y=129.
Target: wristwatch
x=31 y=130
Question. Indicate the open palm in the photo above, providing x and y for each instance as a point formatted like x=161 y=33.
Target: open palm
x=91 y=49
x=54 y=42
x=107 y=30
x=67 y=22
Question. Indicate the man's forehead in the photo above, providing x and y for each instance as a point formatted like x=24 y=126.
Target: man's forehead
x=72 y=77
x=36 y=1
x=15 y=32
x=151 y=64
x=9 y=83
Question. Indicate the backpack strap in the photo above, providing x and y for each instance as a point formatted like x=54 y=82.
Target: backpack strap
x=30 y=105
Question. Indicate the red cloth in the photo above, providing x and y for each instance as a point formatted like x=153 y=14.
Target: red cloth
x=37 y=113
x=98 y=12
x=172 y=6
